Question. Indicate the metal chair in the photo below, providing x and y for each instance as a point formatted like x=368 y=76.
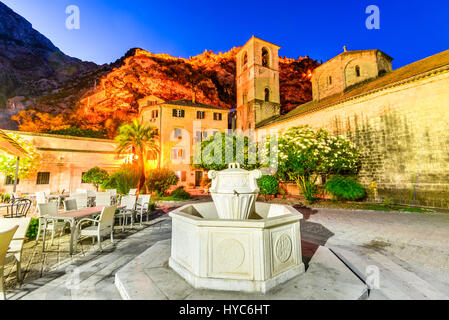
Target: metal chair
x=102 y=225
x=129 y=203
x=53 y=225
x=114 y=195
x=81 y=199
x=5 y=240
x=70 y=204
x=142 y=204
x=103 y=199
x=19 y=208
x=16 y=244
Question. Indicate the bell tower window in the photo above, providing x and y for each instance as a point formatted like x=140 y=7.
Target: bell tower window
x=357 y=71
x=245 y=59
x=265 y=58
x=267 y=95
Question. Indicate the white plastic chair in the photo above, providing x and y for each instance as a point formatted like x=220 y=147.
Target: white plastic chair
x=5 y=240
x=49 y=209
x=128 y=211
x=103 y=199
x=81 y=199
x=132 y=192
x=81 y=191
x=142 y=206
x=16 y=245
x=102 y=225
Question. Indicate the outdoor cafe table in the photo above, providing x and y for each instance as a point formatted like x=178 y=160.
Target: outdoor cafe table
x=72 y=217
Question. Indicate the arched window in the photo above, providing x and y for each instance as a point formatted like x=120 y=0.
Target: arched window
x=357 y=71
x=329 y=80
x=245 y=59
x=265 y=57
x=267 y=95
x=245 y=98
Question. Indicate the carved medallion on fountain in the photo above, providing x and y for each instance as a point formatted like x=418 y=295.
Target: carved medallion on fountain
x=235 y=243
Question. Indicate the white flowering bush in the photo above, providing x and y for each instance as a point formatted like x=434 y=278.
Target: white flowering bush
x=305 y=154
x=27 y=165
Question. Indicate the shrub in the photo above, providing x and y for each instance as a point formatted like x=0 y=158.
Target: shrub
x=180 y=194
x=123 y=180
x=268 y=185
x=33 y=228
x=151 y=206
x=159 y=180
x=305 y=154
x=345 y=188
x=95 y=176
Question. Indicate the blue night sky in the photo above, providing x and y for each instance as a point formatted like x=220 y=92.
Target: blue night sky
x=409 y=30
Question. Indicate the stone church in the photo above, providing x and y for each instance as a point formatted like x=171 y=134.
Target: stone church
x=397 y=118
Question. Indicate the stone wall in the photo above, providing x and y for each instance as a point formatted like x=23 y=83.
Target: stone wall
x=403 y=135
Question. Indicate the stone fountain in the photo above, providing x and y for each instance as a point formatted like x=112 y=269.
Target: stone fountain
x=235 y=243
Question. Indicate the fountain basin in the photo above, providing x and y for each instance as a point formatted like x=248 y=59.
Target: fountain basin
x=252 y=255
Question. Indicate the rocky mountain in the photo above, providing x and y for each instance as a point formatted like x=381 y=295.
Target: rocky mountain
x=51 y=91
x=30 y=65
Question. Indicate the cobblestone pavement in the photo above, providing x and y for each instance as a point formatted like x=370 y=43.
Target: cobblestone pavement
x=409 y=248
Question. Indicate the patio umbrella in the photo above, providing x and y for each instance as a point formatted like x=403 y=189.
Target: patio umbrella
x=10 y=146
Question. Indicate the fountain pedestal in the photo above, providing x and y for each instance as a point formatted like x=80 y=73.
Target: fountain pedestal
x=252 y=255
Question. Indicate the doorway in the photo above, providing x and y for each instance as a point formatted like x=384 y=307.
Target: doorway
x=198 y=178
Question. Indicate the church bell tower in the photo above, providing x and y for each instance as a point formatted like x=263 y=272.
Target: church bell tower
x=257 y=83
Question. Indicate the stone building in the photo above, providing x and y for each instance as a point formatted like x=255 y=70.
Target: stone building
x=397 y=118
x=64 y=160
x=257 y=79
x=181 y=124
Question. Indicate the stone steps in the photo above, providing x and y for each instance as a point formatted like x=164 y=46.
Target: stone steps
x=395 y=280
x=148 y=277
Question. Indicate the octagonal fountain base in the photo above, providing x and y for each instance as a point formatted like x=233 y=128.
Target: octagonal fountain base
x=252 y=255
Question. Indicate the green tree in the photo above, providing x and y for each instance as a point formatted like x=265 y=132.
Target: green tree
x=305 y=154
x=140 y=140
x=96 y=176
x=27 y=165
x=211 y=153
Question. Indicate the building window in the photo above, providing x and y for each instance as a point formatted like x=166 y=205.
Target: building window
x=357 y=71
x=245 y=59
x=151 y=103
x=154 y=114
x=182 y=175
x=267 y=95
x=43 y=178
x=217 y=116
x=245 y=98
x=178 y=154
x=265 y=57
x=178 y=113
x=329 y=80
x=82 y=178
x=198 y=137
x=10 y=180
x=178 y=134
x=200 y=114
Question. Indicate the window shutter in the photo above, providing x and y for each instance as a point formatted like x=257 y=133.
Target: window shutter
x=183 y=176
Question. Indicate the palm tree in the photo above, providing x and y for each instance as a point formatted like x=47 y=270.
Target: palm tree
x=141 y=140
